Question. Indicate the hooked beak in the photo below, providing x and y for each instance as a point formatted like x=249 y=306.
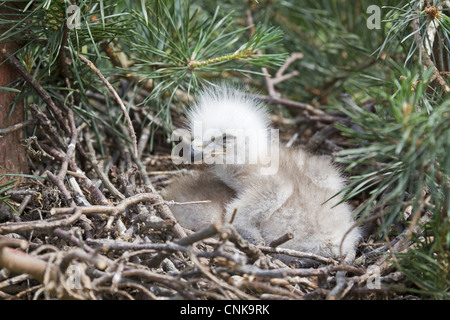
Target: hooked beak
x=200 y=151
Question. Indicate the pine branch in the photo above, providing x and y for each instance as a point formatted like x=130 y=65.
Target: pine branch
x=426 y=58
x=238 y=55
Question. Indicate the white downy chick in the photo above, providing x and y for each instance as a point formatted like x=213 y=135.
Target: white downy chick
x=274 y=189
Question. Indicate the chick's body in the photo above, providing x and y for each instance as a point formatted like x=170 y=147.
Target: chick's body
x=197 y=186
x=298 y=199
x=299 y=196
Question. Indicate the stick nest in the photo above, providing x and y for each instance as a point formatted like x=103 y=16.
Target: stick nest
x=97 y=228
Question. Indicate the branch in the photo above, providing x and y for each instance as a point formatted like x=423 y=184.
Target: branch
x=279 y=76
x=164 y=209
x=85 y=181
x=283 y=239
x=426 y=58
x=48 y=129
x=238 y=55
x=60 y=184
x=71 y=147
x=99 y=171
x=17 y=126
x=19 y=262
x=298 y=254
x=227 y=231
x=120 y=208
x=290 y=103
x=9 y=56
x=39 y=225
x=288 y=272
x=118 y=99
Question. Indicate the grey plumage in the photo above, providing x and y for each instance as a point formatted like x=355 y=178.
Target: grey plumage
x=196 y=185
x=298 y=198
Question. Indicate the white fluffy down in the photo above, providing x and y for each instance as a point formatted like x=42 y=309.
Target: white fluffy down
x=298 y=198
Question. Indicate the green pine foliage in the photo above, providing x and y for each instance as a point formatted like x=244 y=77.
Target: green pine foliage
x=396 y=76
x=402 y=161
x=4 y=187
x=179 y=46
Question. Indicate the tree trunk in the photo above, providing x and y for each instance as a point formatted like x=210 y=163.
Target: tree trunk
x=13 y=158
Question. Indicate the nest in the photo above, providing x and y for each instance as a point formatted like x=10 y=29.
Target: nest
x=97 y=228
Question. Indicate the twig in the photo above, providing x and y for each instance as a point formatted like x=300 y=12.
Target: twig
x=398 y=244
x=14 y=280
x=49 y=129
x=320 y=136
x=218 y=281
x=9 y=227
x=227 y=231
x=168 y=281
x=60 y=184
x=64 y=63
x=207 y=232
x=426 y=58
x=238 y=55
x=20 y=68
x=67 y=236
x=233 y=216
x=283 y=239
x=108 y=185
x=143 y=139
x=150 y=221
x=19 y=262
x=264 y=287
x=288 y=272
x=79 y=197
x=325 y=118
x=85 y=181
x=119 y=208
x=71 y=147
x=118 y=99
x=99 y=262
x=49 y=273
x=279 y=76
x=298 y=254
x=341 y=288
x=188 y=240
x=164 y=210
x=123 y=245
x=290 y=103
x=413 y=228
x=17 y=126
x=25 y=200
x=132 y=284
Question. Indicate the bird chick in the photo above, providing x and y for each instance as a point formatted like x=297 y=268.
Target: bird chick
x=273 y=189
x=195 y=186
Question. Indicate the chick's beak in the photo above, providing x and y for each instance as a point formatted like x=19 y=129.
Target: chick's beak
x=201 y=151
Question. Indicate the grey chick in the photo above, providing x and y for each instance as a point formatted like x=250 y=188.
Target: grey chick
x=195 y=186
x=274 y=189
